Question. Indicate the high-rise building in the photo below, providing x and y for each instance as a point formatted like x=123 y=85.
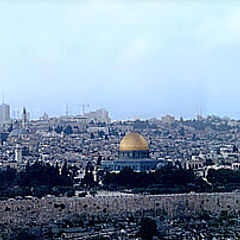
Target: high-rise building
x=4 y=113
x=100 y=115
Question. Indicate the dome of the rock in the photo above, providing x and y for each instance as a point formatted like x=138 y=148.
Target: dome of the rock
x=133 y=142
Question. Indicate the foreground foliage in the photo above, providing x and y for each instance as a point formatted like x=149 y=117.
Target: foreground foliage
x=165 y=180
x=224 y=179
x=36 y=180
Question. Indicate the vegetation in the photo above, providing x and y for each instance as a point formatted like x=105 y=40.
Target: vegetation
x=148 y=229
x=224 y=179
x=172 y=180
x=36 y=180
x=41 y=179
x=58 y=129
x=88 y=180
x=165 y=180
x=68 y=130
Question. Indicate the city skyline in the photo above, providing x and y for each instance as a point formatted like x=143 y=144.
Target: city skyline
x=80 y=110
x=119 y=119
x=136 y=59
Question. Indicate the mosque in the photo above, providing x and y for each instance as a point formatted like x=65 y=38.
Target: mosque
x=133 y=153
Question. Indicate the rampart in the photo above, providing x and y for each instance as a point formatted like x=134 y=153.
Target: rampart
x=21 y=212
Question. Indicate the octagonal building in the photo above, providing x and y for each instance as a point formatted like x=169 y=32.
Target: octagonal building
x=133 y=153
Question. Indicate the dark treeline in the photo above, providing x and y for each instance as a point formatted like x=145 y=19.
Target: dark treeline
x=36 y=180
x=41 y=179
x=165 y=180
x=172 y=180
x=224 y=179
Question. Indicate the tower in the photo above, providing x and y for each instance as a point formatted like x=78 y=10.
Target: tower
x=4 y=112
x=24 y=118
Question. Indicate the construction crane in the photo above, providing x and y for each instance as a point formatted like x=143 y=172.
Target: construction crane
x=84 y=106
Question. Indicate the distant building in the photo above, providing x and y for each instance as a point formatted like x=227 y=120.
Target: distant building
x=4 y=113
x=133 y=153
x=101 y=115
x=168 y=119
x=44 y=117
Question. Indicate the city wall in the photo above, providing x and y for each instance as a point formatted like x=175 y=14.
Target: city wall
x=21 y=212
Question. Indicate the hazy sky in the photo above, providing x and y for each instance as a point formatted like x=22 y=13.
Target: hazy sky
x=134 y=58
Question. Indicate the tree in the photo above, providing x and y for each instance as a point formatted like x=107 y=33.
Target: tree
x=181 y=132
x=101 y=134
x=148 y=229
x=10 y=128
x=235 y=149
x=37 y=179
x=57 y=168
x=64 y=170
x=68 y=130
x=99 y=160
x=58 y=129
x=88 y=179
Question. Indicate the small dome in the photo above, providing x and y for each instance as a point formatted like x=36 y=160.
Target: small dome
x=133 y=142
x=17 y=132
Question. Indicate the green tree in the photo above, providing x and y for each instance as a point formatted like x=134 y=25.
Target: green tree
x=64 y=170
x=88 y=179
x=68 y=130
x=58 y=129
x=57 y=168
x=10 y=128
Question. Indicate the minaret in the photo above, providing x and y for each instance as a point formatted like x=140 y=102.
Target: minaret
x=24 y=118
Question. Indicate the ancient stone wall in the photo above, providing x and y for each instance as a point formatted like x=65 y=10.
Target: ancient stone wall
x=22 y=212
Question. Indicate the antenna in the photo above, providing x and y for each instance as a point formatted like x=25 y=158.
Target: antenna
x=3 y=97
x=83 y=109
x=14 y=114
x=66 y=110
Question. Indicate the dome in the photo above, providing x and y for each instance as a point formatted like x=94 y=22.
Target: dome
x=17 y=132
x=133 y=142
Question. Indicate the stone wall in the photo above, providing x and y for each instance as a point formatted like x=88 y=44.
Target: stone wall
x=21 y=212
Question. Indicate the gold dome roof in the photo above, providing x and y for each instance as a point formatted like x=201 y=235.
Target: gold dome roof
x=133 y=142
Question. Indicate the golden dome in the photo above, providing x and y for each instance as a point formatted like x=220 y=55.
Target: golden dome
x=133 y=142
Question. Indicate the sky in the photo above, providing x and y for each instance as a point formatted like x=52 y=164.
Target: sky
x=135 y=58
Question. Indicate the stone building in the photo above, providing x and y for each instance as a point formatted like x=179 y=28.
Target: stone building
x=133 y=153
